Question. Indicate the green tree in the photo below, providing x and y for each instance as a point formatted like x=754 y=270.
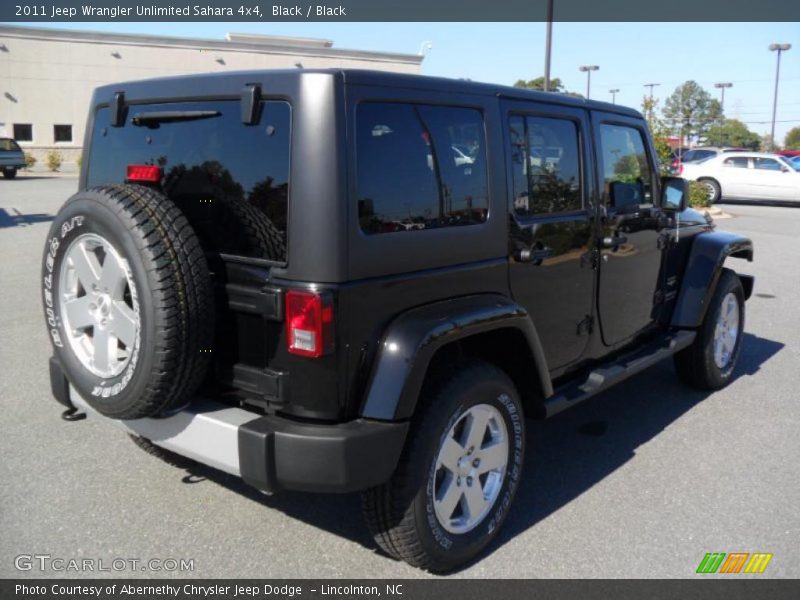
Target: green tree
x=792 y=139
x=538 y=84
x=659 y=132
x=691 y=110
x=732 y=133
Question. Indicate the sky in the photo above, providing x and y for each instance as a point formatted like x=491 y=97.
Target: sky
x=628 y=54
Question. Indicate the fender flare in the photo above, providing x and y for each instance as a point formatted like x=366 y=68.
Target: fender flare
x=703 y=268
x=411 y=340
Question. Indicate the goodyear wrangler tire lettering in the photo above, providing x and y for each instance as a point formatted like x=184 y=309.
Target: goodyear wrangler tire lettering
x=128 y=300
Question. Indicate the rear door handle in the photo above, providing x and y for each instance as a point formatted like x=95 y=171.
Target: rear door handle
x=534 y=255
x=615 y=241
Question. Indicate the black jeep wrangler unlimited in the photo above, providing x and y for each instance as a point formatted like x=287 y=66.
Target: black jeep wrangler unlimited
x=338 y=281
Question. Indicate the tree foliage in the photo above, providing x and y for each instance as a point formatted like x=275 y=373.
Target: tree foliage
x=792 y=139
x=538 y=84
x=659 y=132
x=731 y=132
x=691 y=110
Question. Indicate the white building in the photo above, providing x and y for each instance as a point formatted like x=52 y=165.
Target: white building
x=47 y=75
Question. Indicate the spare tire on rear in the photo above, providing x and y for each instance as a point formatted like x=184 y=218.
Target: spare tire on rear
x=128 y=300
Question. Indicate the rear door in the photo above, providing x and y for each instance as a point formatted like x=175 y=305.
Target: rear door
x=631 y=258
x=734 y=174
x=769 y=182
x=549 y=162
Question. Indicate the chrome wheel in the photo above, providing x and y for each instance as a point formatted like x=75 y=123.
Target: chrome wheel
x=726 y=331
x=98 y=306
x=470 y=468
x=711 y=191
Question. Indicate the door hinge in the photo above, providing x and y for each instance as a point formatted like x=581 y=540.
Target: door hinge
x=586 y=326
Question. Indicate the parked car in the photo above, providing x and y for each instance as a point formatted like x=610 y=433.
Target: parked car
x=789 y=153
x=12 y=158
x=697 y=154
x=747 y=176
x=280 y=320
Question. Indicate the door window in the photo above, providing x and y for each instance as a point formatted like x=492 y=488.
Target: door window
x=627 y=175
x=739 y=162
x=545 y=158
x=766 y=164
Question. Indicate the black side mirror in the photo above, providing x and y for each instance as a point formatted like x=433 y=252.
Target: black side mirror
x=674 y=193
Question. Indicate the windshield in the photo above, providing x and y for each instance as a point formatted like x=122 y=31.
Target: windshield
x=8 y=145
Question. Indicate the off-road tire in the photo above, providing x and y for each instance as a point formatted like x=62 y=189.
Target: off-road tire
x=695 y=364
x=164 y=259
x=400 y=514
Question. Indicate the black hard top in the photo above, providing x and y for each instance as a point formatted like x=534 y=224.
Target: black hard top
x=229 y=83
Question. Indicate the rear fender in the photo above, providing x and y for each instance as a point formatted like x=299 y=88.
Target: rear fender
x=412 y=339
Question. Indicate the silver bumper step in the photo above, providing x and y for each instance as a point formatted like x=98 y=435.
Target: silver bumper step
x=207 y=431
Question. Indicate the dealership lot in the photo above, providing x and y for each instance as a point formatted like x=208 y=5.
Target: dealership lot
x=641 y=481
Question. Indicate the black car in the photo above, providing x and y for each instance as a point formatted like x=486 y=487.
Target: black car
x=12 y=158
x=297 y=278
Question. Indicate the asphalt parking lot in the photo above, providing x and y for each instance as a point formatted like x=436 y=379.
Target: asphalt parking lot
x=676 y=474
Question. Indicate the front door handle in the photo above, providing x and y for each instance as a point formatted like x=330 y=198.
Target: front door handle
x=614 y=242
x=534 y=255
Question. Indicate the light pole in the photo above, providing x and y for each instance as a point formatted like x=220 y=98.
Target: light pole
x=613 y=95
x=722 y=87
x=588 y=70
x=776 y=48
x=548 y=45
x=651 y=86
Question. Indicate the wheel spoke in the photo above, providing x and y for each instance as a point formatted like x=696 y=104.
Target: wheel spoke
x=124 y=322
x=450 y=495
x=78 y=313
x=104 y=348
x=473 y=496
x=113 y=277
x=450 y=453
x=493 y=457
x=476 y=429
x=86 y=265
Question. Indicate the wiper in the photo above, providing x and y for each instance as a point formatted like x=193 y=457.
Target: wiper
x=171 y=116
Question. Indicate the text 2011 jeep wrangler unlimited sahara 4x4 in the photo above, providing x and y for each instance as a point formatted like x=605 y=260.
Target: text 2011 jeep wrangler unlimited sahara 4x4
x=341 y=280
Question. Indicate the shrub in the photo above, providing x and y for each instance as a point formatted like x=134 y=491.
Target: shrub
x=30 y=160
x=54 y=160
x=698 y=195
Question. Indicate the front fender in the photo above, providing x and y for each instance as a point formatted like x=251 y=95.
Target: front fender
x=708 y=253
x=412 y=339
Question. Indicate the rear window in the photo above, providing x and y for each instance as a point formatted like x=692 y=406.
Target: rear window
x=419 y=167
x=230 y=179
x=9 y=145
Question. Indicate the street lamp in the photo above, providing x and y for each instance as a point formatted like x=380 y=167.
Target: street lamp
x=613 y=95
x=588 y=70
x=776 y=48
x=651 y=86
x=722 y=87
x=548 y=43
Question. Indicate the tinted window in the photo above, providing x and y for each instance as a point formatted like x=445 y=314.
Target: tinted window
x=766 y=164
x=626 y=169
x=230 y=179
x=23 y=132
x=739 y=162
x=545 y=160
x=8 y=145
x=62 y=133
x=419 y=167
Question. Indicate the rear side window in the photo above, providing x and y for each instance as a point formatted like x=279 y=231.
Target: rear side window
x=419 y=167
x=766 y=164
x=738 y=162
x=545 y=159
x=230 y=179
x=627 y=176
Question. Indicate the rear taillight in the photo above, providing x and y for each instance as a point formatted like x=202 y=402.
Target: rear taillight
x=679 y=169
x=144 y=173
x=309 y=323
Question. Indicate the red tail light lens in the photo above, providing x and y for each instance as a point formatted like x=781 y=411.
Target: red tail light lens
x=144 y=173
x=309 y=323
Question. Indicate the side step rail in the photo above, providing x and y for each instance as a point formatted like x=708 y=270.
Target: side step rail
x=605 y=376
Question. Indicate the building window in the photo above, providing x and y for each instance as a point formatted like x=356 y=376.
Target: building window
x=62 y=133
x=23 y=132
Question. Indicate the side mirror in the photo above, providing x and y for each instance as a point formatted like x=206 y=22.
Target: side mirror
x=674 y=193
x=784 y=169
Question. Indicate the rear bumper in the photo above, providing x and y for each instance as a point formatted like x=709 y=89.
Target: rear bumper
x=268 y=452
